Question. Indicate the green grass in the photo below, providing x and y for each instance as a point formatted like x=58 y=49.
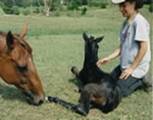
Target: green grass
x=57 y=45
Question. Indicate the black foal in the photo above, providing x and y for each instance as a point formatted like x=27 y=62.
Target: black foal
x=97 y=88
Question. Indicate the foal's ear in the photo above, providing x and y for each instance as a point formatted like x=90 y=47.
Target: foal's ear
x=85 y=36
x=9 y=40
x=99 y=39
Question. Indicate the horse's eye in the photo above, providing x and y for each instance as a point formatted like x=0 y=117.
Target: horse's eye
x=22 y=69
x=23 y=45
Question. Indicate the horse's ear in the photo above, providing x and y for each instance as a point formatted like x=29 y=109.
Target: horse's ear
x=24 y=31
x=99 y=39
x=9 y=40
x=85 y=36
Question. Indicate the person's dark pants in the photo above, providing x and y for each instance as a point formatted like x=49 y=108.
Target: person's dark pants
x=127 y=86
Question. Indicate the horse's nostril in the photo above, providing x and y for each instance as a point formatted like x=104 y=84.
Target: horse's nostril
x=35 y=103
x=40 y=102
x=34 y=100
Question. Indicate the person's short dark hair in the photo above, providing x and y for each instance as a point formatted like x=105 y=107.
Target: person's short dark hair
x=138 y=3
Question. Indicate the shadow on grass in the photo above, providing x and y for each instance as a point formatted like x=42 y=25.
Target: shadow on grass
x=75 y=81
x=10 y=93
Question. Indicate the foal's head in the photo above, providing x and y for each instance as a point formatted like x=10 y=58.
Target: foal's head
x=17 y=66
x=91 y=46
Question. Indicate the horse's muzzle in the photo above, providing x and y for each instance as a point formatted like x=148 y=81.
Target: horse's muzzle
x=34 y=99
x=38 y=100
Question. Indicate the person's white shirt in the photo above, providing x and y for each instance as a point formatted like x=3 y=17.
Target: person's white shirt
x=132 y=33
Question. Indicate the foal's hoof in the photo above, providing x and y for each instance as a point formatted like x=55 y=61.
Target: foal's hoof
x=81 y=111
x=52 y=99
x=74 y=70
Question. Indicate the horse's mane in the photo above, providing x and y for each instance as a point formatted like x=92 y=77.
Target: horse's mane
x=2 y=33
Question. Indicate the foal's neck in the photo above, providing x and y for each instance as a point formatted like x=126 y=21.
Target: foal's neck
x=90 y=61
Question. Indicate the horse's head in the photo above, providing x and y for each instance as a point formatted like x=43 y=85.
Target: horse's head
x=19 y=51
x=19 y=69
x=91 y=46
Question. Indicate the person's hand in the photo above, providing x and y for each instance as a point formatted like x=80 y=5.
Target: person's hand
x=126 y=73
x=102 y=61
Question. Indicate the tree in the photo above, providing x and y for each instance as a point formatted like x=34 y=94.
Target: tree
x=47 y=7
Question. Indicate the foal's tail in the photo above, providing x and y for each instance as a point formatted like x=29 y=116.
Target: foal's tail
x=75 y=71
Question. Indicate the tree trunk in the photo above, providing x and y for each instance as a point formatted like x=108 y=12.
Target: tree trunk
x=47 y=7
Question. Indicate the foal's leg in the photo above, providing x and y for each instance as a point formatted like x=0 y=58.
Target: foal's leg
x=84 y=103
x=91 y=96
x=76 y=72
x=116 y=73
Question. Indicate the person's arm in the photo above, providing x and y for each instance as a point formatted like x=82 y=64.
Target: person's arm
x=143 y=46
x=105 y=60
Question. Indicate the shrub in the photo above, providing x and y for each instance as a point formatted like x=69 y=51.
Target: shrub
x=74 y=4
x=1 y=11
x=55 y=5
x=83 y=10
x=103 y=5
x=84 y=2
x=7 y=10
x=98 y=3
x=11 y=10
x=2 y=5
x=151 y=7
x=26 y=11
x=15 y=10
x=36 y=10
x=1 y=8
x=57 y=13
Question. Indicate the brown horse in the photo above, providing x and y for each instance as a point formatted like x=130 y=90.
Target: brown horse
x=17 y=66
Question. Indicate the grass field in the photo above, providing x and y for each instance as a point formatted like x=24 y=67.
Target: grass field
x=57 y=45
